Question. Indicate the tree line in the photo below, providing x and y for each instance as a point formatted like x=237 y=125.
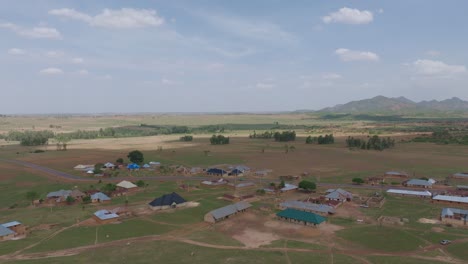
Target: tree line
x=327 y=139
x=375 y=142
x=285 y=136
x=30 y=138
x=264 y=135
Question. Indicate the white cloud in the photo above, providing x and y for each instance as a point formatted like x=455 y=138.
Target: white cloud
x=380 y=11
x=82 y=72
x=51 y=71
x=166 y=81
x=433 y=53
x=35 y=32
x=77 y=60
x=264 y=86
x=356 y=55
x=331 y=76
x=55 y=53
x=114 y=18
x=437 y=68
x=245 y=28
x=16 y=51
x=349 y=16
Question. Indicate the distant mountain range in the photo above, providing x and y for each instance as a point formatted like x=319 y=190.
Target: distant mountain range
x=399 y=105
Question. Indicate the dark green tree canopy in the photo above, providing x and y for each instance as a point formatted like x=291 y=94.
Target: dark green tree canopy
x=307 y=185
x=136 y=157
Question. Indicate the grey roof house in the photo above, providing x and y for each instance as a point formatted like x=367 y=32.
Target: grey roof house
x=226 y=211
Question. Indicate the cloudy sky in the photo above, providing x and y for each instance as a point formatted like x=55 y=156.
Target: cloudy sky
x=196 y=56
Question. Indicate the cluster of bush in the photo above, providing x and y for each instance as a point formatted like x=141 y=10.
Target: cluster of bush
x=327 y=139
x=375 y=142
x=186 y=138
x=219 y=140
x=285 y=136
x=445 y=137
x=264 y=135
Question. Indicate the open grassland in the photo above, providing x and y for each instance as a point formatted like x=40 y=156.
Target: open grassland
x=327 y=163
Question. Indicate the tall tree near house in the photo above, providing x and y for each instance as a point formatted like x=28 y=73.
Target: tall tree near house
x=136 y=157
x=31 y=196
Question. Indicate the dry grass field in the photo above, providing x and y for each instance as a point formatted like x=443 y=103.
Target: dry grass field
x=256 y=235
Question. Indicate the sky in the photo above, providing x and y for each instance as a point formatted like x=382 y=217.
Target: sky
x=227 y=56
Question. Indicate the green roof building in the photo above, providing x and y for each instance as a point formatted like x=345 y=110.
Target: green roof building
x=297 y=216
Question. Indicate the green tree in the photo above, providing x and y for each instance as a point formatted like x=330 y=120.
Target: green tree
x=307 y=185
x=136 y=157
x=86 y=199
x=140 y=183
x=358 y=180
x=282 y=184
x=119 y=161
x=98 y=168
x=70 y=200
x=31 y=196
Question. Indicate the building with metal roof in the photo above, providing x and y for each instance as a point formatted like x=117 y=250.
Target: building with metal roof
x=226 y=211
x=289 y=187
x=460 y=175
x=99 y=198
x=410 y=193
x=338 y=195
x=105 y=216
x=321 y=209
x=397 y=174
x=10 y=224
x=60 y=193
x=450 y=199
x=419 y=183
x=166 y=201
x=6 y=233
x=300 y=217
x=216 y=172
x=126 y=185
x=454 y=216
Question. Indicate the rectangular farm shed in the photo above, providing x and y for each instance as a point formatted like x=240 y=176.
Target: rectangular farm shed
x=225 y=212
x=301 y=217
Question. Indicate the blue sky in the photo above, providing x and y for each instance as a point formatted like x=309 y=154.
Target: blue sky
x=209 y=56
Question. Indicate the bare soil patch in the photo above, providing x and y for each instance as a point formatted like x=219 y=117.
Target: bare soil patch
x=428 y=221
x=252 y=238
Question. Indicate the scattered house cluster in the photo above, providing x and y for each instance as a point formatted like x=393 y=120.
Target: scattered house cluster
x=419 y=183
x=172 y=200
x=300 y=217
x=226 y=212
x=454 y=216
x=12 y=230
x=321 y=209
x=422 y=194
